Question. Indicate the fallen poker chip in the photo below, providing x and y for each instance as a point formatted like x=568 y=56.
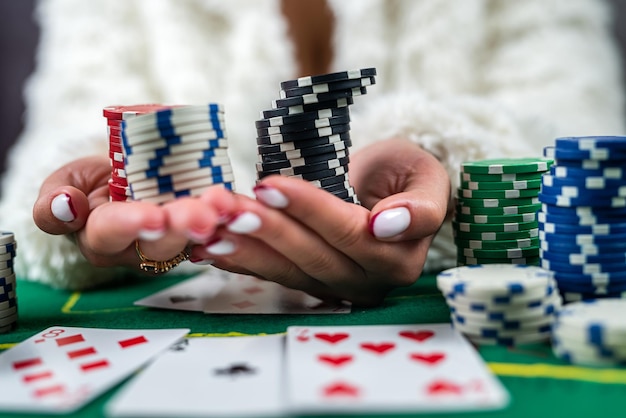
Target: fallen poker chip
x=327 y=87
x=507 y=166
x=494 y=279
x=328 y=78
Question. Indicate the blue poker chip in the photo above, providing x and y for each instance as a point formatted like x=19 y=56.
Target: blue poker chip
x=583 y=211
x=576 y=259
x=589 y=268
x=596 y=154
x=302 y=117
x=570 y=246
x=570 y=297
x=598 y=279
x=591 y=288
x=583 y=193
x=610 y=173
x=502 y=324
x=594 y=165
x=578 y=220
x=569 y=229
x=589 y=183
x=596 y=202
x=581 y=239
x=582 y=143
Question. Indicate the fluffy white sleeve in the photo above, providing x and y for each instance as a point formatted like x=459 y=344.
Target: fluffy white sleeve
x=528 y=72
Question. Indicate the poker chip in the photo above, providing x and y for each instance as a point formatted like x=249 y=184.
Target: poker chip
x=523 y=243
x=507 y=166
x=581 y=221
x=306 y=133
x=591 y=333
x=8 y=283
x=500 y=211
x=502 y=304
x=159 y=152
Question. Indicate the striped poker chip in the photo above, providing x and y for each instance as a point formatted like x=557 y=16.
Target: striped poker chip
x=6 y=237
x=302 y=169
x=216 y=163
x=609 y=173
x=327 y=87
x=303 y=126
x=303 y=135
x=317 y=98
x=337 y=187
x=173 y=116
x=497 y=245
x=611 y=155
x=501 y=177
x=315 y=175
x=506 y=166
x=328 y=78
x=304 y=148
x=270 y=163
x=301 y=117
x=501 y=185
x=329 y=181
x=156 y=187
x=139 y=162
x=312 y=107
x=214 y=130
x=583 y=143
x=121 y=112
x=179 y=144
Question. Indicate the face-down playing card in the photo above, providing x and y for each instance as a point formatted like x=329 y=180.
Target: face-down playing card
x=62 y=368
x=387 y=368
x=231 y=376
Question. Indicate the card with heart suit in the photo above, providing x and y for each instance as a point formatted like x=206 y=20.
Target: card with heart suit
x=62 y=368
x=220 y=292
x=387 y=368
x=232 y=376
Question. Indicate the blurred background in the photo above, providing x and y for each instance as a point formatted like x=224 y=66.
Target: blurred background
x=18 y=40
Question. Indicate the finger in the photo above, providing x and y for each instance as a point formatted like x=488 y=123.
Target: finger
x=247 y=255
x=63 y=204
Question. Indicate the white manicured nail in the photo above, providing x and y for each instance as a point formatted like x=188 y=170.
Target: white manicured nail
x=221 y=247
x=271 y=196
x=151 y=234
x=390 y=222
x=245 y=223
x=62 y=208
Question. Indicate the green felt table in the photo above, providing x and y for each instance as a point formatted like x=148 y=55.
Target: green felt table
x=540 y=384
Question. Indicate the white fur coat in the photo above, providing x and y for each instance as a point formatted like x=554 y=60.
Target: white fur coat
x=467 y=79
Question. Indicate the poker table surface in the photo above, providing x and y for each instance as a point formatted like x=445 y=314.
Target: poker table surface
x=540 y=384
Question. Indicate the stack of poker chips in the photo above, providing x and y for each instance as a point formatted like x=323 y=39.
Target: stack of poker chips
x=503 y=304
x=8 y=296
x=175 y=151
x=495 y=218
x=115 y=115
x=582 y=222
x=306 y=134
x=591 y=333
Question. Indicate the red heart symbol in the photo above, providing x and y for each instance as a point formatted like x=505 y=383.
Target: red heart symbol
x=431 y=358
x=341 y=389
x=417 y=335
x=337 y=361
x=331 y=338
x=379 y=348
x=439 y=387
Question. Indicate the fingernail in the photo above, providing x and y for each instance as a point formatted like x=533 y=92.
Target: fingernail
x=151 y=234
x=197 y=237
x=221 y=247
x=62 y=208
x=390 y=222
x=270 y=196
x=201 y=261
x=244 y=223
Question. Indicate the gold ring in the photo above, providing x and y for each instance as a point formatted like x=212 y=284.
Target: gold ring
x=155 y=266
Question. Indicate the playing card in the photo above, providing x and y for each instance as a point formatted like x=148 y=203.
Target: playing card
x=249 y=295
x=222 y=292
x=230 y=376
x=189 y=295
x=62 y=368
x=395 y=368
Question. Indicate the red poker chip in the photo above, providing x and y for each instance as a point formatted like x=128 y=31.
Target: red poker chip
x=116 y=198
x=119 y=180
x=113 y=147
x=115 y=130
x=119 y=189
x=114 y=123
x=117 y=112
x=117 y=164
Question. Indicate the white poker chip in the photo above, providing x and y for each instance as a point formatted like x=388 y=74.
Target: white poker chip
x=598 y=321
x=549 y=306
x=494 y=279
x=206 y=127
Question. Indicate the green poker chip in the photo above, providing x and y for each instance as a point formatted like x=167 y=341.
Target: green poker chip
x=496 y=219
x=507 y=166
x=498 y=245
x=499 y=178
x=495 y=236
x=496 y=203
x=497 y=194
x=473 y=261
x=508 y=253
x=501 y=185
x=501 y=227
x=504 y=210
